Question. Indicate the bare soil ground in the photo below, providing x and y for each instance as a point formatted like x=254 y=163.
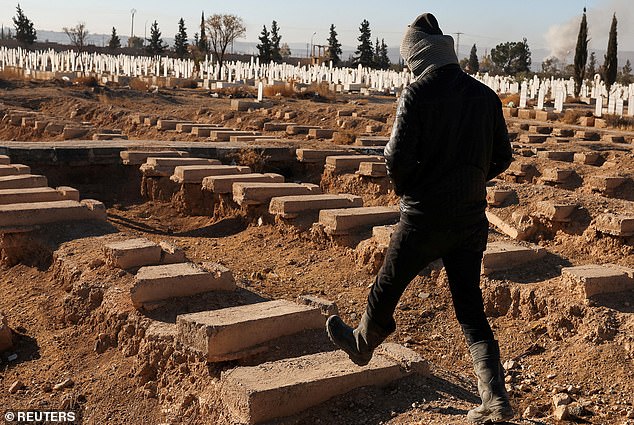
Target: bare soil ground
x=72 y=317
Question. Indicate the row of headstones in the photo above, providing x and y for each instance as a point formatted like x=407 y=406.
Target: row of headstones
x=53 y=127
x=26 y=200
x=103 y=65
x=133 y=66
x=532 y=134
x=163 y=275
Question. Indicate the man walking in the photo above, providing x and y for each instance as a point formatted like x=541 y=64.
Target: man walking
x=449 y=139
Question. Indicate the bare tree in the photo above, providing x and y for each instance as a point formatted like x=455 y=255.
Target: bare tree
x=223 y=30
x=78 y=35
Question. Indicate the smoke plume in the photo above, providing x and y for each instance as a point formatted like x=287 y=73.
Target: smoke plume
x=562 y=38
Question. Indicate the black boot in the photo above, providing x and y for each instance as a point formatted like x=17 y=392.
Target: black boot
x=495 y=405
x=358 y=343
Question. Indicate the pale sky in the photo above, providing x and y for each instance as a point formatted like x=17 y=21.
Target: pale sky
x=548 y=24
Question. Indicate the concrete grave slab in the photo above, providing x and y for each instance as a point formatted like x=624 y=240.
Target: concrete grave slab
x=318 y=155
x=259 y=394
x=246 y=193
x=371 y=141
x=192 y=174
x=132 y=253
x=5 y=160
x=23 y=181
x=14 y=170
x=37 y=194
x=372 y=169
x=293 y=206
x=595 y=279
x=497 y=197
x=616 y=225
x=344 y=221
x=140 y=157
x=350 y=163
x=501 y=256
x=38 y=213
x=233 y=333
x=159 y=283
x=224 y=184
x=554 y=211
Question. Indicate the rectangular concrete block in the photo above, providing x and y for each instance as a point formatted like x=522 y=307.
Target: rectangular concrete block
x=171 y=254
x=132 y=253
x=244 y=105
x=293 y=206
x=299 y=129
x=165 y=166
x=616 y=225
x=75 y=132
x=594 y=279
x=320 y=133
x=372 y=169
x=251 y=138
x=606 y=183
x=225 y=135
x=557 y=175
x=497 y=197
x=262 y=193
x=233 y=333
x=5 y=160
x=505 y=255
x=588 y=158
x=563 y=132
x=350 y=163
x=371 y=141
x=277 y=126
x=159 y=283
x=38 y=213
x=587 y=135
x=37 y=194
x=557 y=155
x=317 y=155
x=533 y=138
x=258 y=394
x=140 y=157
x=526 y=114
x=23 y=181
x=14 y=170
x=170 y=124
x=224 y=184
x=205 y=131
x=109 y=136
x=345 y=221
x=193 y=174
x=558 y=212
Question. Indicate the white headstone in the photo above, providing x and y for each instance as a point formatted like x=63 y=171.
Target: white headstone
x=260 y=91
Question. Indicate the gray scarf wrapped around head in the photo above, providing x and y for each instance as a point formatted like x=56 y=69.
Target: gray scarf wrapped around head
x=424 y=52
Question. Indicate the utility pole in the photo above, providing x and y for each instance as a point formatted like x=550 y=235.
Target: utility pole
x=458 y=34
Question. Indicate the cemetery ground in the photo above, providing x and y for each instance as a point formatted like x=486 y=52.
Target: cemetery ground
x=89 y=337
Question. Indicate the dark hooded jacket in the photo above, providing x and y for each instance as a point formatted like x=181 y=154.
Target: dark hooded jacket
x=449 y=139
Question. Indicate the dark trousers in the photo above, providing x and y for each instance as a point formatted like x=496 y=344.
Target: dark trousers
x=415 y=244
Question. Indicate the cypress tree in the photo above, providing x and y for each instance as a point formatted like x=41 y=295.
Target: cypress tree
x=611 y=60
x=180 y=40
x=364 y=54
x=265 y=46
x=275 y=43
x=334 y=47
x=474 y=63
x=581 y=54
x=592 y=65
x=203 y=43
